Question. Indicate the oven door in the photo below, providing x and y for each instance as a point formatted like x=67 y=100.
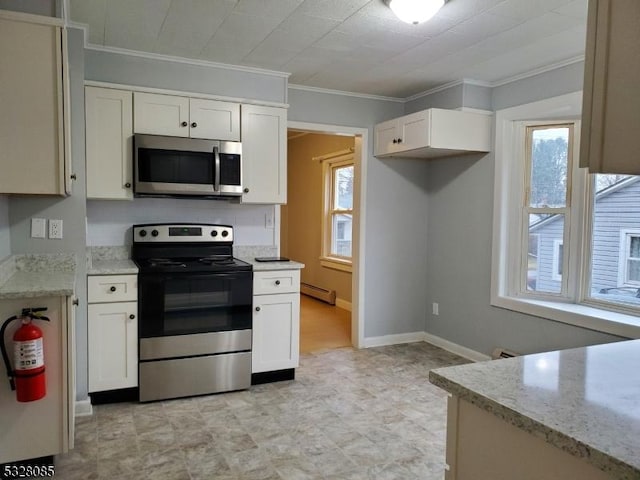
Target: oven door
x=190 y=303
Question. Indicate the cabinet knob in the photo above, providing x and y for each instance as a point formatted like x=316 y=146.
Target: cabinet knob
x=257 y=309
x=399 y=140
x=132 y=316
x=76 y=302
x=277 y=282
x=194 y=125
x=395 y=141
x=246 y=190
x=113 y=289
x=184 y=124
x=127 y=185
x=73 y=176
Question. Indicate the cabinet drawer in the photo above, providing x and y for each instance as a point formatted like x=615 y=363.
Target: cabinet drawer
x=112 y=288
x=280 y=281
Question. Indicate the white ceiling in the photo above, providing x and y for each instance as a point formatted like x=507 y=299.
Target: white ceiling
x=350 y=45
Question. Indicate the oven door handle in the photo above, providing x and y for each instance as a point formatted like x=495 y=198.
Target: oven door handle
x=216 y=156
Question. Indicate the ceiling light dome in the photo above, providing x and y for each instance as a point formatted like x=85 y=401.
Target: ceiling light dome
x=415 y=11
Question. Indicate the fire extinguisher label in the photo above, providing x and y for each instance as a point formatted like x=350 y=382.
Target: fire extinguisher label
x=28 y=354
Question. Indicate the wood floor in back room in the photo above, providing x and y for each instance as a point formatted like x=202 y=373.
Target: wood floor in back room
x=323 y=326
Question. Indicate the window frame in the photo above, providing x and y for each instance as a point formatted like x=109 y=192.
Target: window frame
x=327 y=258
x=506 y=288
x=625 y=243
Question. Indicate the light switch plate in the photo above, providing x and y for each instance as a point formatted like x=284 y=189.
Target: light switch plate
x=38 y=228
x=55 y=228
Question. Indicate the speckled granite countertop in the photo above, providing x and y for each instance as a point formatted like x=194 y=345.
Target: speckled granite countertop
x=42 y=275
x=585 y=401
x=267 y=266
x=110 y=261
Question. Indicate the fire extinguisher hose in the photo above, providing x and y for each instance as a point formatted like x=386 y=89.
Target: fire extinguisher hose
x=32 y=313
x=5 y=357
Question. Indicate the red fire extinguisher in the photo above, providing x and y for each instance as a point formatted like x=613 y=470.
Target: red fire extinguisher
x=27 y=377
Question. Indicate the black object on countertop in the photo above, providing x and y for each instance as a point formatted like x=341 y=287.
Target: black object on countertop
x=271 y=259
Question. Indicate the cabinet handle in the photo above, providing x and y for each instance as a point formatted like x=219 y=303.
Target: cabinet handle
x=113 y=289
x=246 y=190
x=277 y=282
x=184 y=124
x=194 y=125
x=132 y=316
x=257 y=309
x=127 y=185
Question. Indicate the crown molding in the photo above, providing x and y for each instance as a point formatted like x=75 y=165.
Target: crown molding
x=184 y=60
x=330 y=91
x=538 y=71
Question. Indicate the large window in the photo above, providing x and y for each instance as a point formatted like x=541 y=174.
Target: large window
x=338 y=210
x=566 y=243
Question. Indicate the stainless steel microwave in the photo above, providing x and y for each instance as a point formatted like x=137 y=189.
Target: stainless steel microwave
x=174 y=166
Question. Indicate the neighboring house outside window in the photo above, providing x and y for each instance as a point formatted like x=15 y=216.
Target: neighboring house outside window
x=566 y=243
x=337 y=228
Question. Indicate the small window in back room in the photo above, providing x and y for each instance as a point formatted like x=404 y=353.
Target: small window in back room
x=338 y=217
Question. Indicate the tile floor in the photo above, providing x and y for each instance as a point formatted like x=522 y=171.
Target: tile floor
x=350 y=414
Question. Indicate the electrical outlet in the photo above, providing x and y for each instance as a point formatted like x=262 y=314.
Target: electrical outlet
x=38 y=228
x=268 y=220
x=435 y=308
x=55 y=229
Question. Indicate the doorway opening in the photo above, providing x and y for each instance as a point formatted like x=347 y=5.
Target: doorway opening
x=320 y=227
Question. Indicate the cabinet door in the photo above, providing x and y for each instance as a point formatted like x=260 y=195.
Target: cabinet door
x=160 y=114
x=264 y=154
x=610 y=111
x=276 y=332
x=386 y=137
x=32 y=152
x=113 y=346
x=109 y=130
x=214 y=120
x=413 y=131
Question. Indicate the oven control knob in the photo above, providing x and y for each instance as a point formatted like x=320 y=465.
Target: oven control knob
x=155 y=233
x=225 y=233
x=143 y=233
x=214 y=233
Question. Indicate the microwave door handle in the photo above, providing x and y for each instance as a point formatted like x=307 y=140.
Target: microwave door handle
x=216 y=156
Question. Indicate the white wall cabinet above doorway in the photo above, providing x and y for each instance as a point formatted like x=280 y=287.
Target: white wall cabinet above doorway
x=433 y=133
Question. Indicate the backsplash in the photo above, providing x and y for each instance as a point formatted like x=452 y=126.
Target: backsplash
x=5 y=235
x=109 y=223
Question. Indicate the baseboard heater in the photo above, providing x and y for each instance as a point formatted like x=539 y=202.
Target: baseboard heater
x=328 y=296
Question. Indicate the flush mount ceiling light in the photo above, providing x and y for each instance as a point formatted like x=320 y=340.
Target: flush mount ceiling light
x=415 y=11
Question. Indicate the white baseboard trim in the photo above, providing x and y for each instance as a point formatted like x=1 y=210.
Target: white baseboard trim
x=84 y=408
x=340 y=303
x=455 y=348
x=369 y=342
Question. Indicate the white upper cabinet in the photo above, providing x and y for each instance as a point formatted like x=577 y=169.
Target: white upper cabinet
x=109 y=137
x=264 y=154
x=34 y=146
x=179 y=116
x=611 y=105
x=433 y=133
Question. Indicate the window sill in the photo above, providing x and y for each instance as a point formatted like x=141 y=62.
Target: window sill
x=584 y=316
x=336 y=264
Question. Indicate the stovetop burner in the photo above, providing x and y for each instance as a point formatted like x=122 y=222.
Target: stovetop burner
x=217 y=260
x=165 y=262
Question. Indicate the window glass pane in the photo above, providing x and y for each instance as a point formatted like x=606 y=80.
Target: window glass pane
x=545 y=254
x=615 y=252
x=343 y=188
x=341 y=241
x=549 y=153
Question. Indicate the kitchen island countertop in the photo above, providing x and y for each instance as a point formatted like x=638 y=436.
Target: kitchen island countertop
x=585 y=401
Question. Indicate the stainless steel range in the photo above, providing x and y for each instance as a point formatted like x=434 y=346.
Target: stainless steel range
x=194 y=311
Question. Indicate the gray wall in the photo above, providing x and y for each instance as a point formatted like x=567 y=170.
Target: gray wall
x=36 y=7
x=449 y=98
x=5 y=232
x=459 y=226
x=395 y=218
x=72 y=210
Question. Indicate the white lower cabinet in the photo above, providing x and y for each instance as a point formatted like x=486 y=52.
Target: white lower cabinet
x=276 y=321
x=113 y=336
